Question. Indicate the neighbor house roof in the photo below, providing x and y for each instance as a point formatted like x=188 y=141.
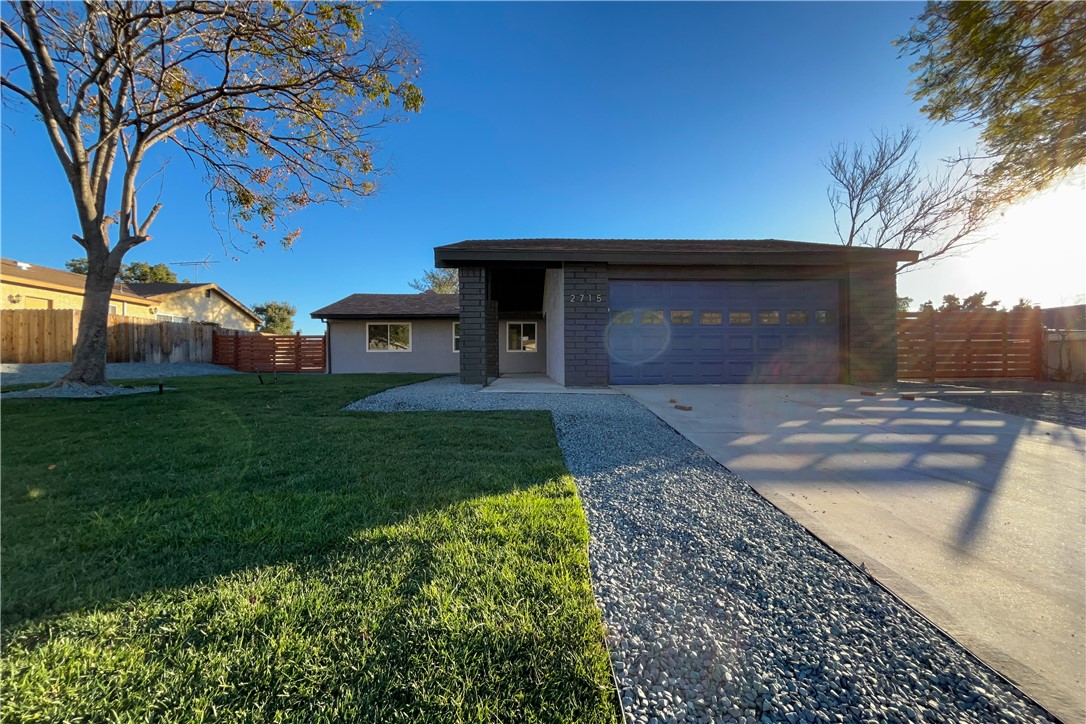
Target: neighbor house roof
x=45 y=277
x=661 y=251
x=392 y=306
x=159 y=290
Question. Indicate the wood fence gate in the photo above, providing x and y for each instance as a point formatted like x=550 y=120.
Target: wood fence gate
x=270 y=353
x=962 y=345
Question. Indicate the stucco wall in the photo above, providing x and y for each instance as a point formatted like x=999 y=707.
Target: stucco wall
x=515 y=363
x=431 y=348
x=196 y=306
x=554 y=309
x=61 y=300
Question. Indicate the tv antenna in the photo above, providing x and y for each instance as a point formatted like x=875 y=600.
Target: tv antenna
x=205 y=263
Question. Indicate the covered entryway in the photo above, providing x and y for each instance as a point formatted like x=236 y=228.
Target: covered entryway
x=713 y=332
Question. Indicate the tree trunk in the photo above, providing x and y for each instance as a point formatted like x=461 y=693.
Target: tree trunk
x=92 y=342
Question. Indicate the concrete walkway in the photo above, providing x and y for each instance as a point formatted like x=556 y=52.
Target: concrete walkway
x=976 y=518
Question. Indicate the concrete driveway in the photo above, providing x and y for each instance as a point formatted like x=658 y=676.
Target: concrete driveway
x=976 y=518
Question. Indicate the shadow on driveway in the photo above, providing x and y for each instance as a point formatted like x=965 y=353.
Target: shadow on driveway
x=975 y=518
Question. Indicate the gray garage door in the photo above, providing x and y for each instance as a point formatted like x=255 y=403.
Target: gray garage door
x=723 y=332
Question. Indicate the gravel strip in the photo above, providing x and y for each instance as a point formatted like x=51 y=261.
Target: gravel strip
x=1061 y=403
x=18 y=374
x=718 y=606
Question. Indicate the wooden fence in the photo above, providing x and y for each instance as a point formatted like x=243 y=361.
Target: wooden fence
x=48 y=335
x=270 y=353
x=963 y=345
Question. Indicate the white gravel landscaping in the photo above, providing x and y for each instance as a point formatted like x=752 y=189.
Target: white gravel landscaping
x=718 y=606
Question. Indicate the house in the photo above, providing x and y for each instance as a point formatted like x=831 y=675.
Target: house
x=393 y=333
x=593 y=312
x=205 y=303
x=30 y=286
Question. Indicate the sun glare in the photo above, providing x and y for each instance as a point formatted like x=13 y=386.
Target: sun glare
x=1035 y=250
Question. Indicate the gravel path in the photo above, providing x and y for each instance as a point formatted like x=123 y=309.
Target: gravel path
x=718 y=606
x=17 y=374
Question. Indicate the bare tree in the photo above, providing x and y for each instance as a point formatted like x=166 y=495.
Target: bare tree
x=881 y=198
x=274 y=100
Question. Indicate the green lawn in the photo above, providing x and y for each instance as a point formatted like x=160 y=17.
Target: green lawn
x=236 y=551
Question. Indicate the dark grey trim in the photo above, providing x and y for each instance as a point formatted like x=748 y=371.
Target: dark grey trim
x=385 y=315
x=445 y=257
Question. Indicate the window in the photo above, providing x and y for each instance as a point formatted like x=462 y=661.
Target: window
x=796 y=317
x=170 y=318
x=521 y=337
x=114 y=309
x=456 y=336
x=622 y=318
x=823 y=316
x=739 y=318
x=207 y=293
x=711 y=318
x=766 y=316
x=652 y=317
x=388 y=337
x=682 y=317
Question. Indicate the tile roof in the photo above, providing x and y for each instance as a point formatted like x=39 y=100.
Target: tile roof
x=55 y=278
x=667 y=251
x=390 y=306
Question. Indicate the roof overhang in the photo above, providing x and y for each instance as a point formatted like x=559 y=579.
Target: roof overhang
x=463 y=254
x=319 y=315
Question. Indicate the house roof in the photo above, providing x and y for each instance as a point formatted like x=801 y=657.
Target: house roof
x=57 y=280
x=159 y=290
x=661 y=251
x=392 y=306
x=155 y=289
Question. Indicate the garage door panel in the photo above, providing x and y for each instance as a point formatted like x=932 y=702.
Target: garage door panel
x=724 y=332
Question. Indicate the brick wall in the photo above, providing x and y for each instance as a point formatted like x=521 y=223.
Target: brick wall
x=872 y=323
x=478 y=328
x=586 y=324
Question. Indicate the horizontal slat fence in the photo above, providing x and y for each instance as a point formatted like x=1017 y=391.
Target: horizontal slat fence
x=48 y=335
x=964 y=345
x=270 y=353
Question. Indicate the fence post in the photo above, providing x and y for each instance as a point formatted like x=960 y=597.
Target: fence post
x=929 y=358
x=1037 y=329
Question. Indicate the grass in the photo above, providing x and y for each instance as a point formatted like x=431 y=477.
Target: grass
x=232 y=551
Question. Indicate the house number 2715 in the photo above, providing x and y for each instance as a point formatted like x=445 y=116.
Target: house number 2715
x=574 y=298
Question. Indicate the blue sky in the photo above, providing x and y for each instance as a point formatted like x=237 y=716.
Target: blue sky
x=701 y=120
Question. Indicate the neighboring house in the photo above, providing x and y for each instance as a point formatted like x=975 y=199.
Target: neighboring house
x=29 y=286
x=204 y=303
x=393 y=333
x=1070 y=317
x=593 y=312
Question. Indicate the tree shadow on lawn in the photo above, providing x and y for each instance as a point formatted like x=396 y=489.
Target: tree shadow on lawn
x=256 y=548
x=110 y=499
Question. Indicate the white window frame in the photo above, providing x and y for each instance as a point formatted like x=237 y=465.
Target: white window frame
x=521 y=351
x=410 y=336
x=456 y=337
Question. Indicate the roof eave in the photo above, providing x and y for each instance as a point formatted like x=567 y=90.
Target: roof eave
x=445 y=257
x=352 y=315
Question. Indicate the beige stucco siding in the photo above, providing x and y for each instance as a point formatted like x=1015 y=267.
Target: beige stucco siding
x=205 y=305
x=32 y=297
x=431 y=347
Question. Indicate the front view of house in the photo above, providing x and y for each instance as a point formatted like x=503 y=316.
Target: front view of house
x=593 y=312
